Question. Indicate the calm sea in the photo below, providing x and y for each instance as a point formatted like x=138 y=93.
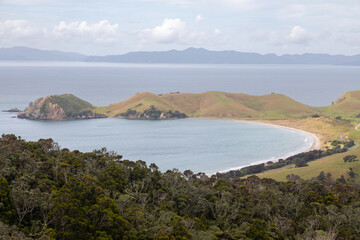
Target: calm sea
x=205 y=145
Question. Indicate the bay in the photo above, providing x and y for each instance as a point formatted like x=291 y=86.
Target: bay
x=202 y=145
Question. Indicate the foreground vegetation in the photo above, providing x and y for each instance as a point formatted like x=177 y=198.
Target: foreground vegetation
x=52 y=193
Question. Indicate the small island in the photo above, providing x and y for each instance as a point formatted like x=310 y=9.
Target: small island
x=60 y=107
x=12 y=110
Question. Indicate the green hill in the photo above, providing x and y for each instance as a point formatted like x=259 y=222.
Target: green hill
x=218 y=104
x=346 y=106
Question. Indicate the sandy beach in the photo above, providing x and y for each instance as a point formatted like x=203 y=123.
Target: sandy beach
x=317 y=142
x=315 y=146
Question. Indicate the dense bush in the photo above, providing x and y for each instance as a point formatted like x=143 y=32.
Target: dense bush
x=52 y=193
x=152 y=113
x=350 y=158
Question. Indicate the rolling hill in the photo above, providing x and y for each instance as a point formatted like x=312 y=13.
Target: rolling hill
x=218 y=104
x=346 y=106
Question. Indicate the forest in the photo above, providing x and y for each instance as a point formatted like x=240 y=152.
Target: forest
x=48 y=192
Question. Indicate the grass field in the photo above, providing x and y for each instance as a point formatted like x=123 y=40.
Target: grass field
x=333 y=164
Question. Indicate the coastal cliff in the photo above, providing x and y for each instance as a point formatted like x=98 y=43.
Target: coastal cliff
x=60 y=107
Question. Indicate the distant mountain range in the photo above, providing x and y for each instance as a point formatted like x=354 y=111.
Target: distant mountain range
x=187 y=56
x=32 y=54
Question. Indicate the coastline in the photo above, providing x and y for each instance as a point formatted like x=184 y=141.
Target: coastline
x=317 y=144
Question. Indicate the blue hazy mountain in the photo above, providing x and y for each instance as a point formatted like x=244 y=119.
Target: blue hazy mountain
x=187 y=56
x=203 y=56
x=32 y=54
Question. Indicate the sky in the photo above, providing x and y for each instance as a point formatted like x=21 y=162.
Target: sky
x=103 y=27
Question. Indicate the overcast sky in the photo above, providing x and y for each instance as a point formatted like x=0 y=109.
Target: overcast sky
x=101 y=27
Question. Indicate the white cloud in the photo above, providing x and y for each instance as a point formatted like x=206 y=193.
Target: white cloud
x=199 y=18
x=217 y=32
x=171 y=31
x=17 y=29
x=299 y=35
x=101 y=32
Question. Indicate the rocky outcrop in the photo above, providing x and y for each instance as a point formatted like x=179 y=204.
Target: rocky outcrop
x=340 y=100
x=58 y=108
x=151 y=113
x=13 y=110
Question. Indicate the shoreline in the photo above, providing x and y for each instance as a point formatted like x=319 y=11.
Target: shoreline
x=317 y=144
x=316 y=140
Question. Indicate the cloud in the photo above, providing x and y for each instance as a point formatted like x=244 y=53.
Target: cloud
x=171 y=31
x=199 y=18
x=299 y=35
x=217 y=32
x=101 y=32
x=17 y=29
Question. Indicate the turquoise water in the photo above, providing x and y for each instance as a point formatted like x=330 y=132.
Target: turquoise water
x=202 y=145
x=199 y=144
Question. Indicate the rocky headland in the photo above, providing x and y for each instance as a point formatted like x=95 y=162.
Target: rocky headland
x=60 y=107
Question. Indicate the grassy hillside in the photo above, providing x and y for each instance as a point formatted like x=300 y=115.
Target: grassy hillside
x=347 y=106
x=333 y=164
x=218 y=104
x=139 y=102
